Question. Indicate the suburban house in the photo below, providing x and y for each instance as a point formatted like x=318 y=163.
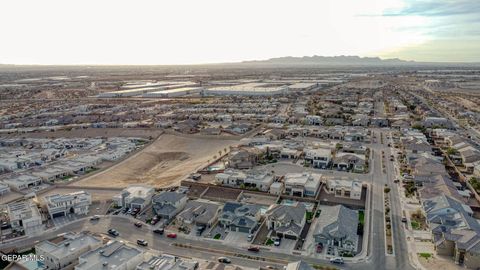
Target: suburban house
x=243 y=159
x=20 y=182
x=114 y=255
x=344 y=188
x=199 y=212
x=318 y=157
x=4 y=189
x=25 y=217
x=134 y=197
x=337 y=227
x=240 y=217
x=60 y=205
x=455 y=232
x=65 y=250
x=302 y=184
x=168 y=204
x=253 y=179
x=286 y=220
x=349 y=161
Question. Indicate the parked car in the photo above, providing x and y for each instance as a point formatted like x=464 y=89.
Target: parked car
x=138 y=224
x=277 y=241
x=159 y=230
x=172 y=235
x=253 y=249
x=113 y=232
x=250 y=237
x=271 y=267
x=224 y=260
x=337 y=260
x=200 y=230
x=319 y=248
x=142 y=242
x=95 y=217
x=404 y=219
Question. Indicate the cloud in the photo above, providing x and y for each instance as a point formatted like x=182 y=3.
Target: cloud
x=437 y=8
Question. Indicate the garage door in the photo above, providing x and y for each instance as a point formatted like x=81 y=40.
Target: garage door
x=288 y=236
x=61 y=214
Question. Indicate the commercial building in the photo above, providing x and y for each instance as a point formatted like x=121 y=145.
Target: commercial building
x=65 y=250
x=249 y=89
x=76 y=203
x=177 y=92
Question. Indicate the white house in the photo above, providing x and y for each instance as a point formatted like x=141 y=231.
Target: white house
x=76 y=203
x=134 y=197
x=345 y=188
x=302 y=184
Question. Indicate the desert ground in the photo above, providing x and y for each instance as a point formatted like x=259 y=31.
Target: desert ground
x=164 y=162
x=94 y=132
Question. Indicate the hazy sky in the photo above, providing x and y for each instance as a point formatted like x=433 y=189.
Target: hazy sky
x=208 y=31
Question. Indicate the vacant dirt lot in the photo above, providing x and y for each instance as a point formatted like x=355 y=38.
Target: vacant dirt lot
x=163 y=163
x=94 y=132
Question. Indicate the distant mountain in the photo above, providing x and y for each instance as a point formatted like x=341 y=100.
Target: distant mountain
x=329 y=60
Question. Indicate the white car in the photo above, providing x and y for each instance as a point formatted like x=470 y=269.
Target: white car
x=95 y=217
x=337 y=260
x=276 y=242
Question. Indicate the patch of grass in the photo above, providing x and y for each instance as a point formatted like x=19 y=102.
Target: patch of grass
x=269 y=242
x=309 y=216
x=217 y=236
x=425 y=255
x=361 y=217
x=415 y=225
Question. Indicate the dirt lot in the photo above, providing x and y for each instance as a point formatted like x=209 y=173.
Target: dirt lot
x=94 y=132
x=163 y=163
x=97 y=195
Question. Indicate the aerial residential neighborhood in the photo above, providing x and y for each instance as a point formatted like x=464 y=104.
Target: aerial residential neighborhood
x=326 y=170
x=240 y=135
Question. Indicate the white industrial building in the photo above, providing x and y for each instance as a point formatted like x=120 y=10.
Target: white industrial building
x=302 y=86
x=129 y=92
x=76 y=203
x=177 y=92
x=249 y=89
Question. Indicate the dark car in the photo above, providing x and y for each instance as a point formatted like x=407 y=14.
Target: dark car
x=113 y=232
x=159 y=231
x=138 y=224
x=224 y=260
x=253 y=249
x=142 y=242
